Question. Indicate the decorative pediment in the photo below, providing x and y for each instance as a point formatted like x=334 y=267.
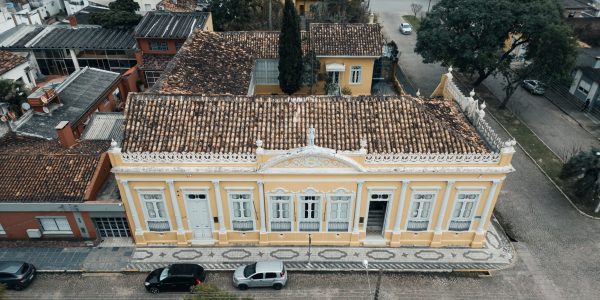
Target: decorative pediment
x=313 y=158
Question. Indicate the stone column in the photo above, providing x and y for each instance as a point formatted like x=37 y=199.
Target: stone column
x=74 y=58
x=355 y=229
x=180 y=232
x=485 y=215
x=437 y=236
x=396 y=234
x=138 y=234
x=219 y=200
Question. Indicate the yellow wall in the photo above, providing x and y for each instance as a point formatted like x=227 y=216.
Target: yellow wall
x=364 y=88
x=297 y=183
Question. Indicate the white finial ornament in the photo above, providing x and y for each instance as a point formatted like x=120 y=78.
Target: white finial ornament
x=482 y=106
x=472 y=93
x=311 y=136
x=113 y=143
x=450 y=69
x=418 y=92
x=259 y=143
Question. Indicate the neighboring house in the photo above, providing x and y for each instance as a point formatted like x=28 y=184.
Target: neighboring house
x=182 y=5
x=26 y=16
x=338 y=171
x=586 y=77
x=16 y=67
x=160 y=34
x=73 y=6
x=63 y=111
x=83 y=17
x=218 y=61
x=574 y=8
x=61 y=50
x=303 y=7
x=49 y=191
x=147 y=5
x=51 y=7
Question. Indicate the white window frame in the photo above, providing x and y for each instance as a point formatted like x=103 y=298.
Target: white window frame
x=353 y=70
x=421 y=191
x=231 y=201
x=162 y=45
x=157 y=217
x=2 y=231
x=457 y=202
x=310 y=192
x=584 y=87
x=58 y=230
x=266 y=72
x=341 y=192
x=280 y=192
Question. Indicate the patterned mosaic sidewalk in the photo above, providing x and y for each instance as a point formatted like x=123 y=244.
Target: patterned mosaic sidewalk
x=498 y=254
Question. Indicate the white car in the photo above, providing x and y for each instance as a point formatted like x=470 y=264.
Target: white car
x=405 y=28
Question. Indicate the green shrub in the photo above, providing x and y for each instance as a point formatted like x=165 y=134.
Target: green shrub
x=208 y=291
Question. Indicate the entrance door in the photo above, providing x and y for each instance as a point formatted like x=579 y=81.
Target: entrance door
x=199 y=218
x=376 y=217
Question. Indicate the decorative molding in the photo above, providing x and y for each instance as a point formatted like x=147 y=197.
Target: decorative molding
x=311 y=157
x=173 y=157
x=310 y=162
x=437 y=158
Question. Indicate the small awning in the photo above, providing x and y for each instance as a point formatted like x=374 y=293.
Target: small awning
x=335 y=67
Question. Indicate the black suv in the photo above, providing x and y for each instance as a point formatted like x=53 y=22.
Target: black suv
x=177 y=277
x=16 y=274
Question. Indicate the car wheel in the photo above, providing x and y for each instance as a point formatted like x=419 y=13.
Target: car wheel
x=242 y=287
x=154 y=290
x=18 y=287
x=277 y=286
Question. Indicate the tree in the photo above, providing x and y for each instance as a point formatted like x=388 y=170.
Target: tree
x=472 y=35
x=124 y=5
x=340 y=11
x=232 y=15
x=416 y=8
x=583 y=173
x=290 y=50
x=120 y=16
x=310 y=70
x=14 y=94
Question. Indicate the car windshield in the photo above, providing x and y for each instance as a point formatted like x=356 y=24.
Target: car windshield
x=405 y=25
x=249 y=270
x=163 y=274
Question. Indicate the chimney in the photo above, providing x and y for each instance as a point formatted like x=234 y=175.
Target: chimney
x=65 y=134
x=597 y=63
x=72 y=20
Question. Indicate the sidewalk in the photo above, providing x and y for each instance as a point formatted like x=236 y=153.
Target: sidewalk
x=588 y=122
x=498 y=254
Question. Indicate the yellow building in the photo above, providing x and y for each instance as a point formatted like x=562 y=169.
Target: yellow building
x=343 y=171
x=246 y=62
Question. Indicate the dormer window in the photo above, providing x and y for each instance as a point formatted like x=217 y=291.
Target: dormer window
x=158 y=46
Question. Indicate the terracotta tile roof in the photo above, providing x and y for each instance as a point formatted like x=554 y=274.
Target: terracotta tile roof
x=232 y=124
x=261 y=44
x=207 y=64
x=346 y=39
x=54 y=173
x=155 y=61
x=181 y=6
x=9 y=61
x=329 y=39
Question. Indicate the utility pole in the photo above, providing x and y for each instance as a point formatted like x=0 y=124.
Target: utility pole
x=271 y=14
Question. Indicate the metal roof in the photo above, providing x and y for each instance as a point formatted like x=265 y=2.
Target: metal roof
x=77 y=94
x=19 y=36
x=105 y=126
x=90 y=38
x=169 y=25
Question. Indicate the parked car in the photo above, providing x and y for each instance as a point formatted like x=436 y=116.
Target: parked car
x=176 y=277
x=405 y=28
x=535 y=87
x=16 y=275
x=260 y=274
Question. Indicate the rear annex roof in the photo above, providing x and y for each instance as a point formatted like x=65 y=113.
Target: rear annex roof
x=170 y=25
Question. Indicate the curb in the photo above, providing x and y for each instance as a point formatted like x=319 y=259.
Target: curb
x=540 y=168
x=132 y=271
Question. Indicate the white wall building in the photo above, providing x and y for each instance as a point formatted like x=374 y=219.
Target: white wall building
x=25 y=16
x=73 y=6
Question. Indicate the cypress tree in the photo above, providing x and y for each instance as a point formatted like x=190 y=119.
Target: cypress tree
x=290 y=50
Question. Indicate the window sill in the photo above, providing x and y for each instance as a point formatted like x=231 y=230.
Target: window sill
x=358 y=83
x=57 y=232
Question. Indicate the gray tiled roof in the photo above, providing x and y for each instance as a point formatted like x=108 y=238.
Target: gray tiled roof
x=105 y=126
x=169 y=25
x=77 y=95
x=18 y=37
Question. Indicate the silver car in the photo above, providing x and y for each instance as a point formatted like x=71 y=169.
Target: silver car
x=260 y=274
x=405 y=28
